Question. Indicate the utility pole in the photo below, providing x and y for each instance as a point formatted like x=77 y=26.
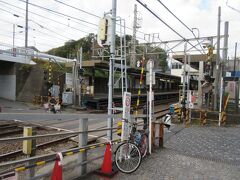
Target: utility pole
x=225 y=48
x=133 y=47
x=217 y=74
x=235 y=58
x=184 y=83
x=221 y=73
x=111 y=60
x=80 y=78
x=26 y=26
x=13 y=35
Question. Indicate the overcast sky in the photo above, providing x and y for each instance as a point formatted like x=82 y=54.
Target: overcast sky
x=45 y=33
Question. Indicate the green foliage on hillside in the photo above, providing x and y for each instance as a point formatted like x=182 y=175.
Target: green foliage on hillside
x=70 y=48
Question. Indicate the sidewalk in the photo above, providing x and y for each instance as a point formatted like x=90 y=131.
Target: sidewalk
x=8 y=106
x=195 y=153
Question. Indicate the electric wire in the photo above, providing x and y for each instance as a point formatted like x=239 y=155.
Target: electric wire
x=10 y=37
x=77 y=9
x=10 y=32
x=58 y=13
x=154 y=14
x=232 y=7
x=41 y=26
x=89 y=13
x=45 y=17
x=180 y=22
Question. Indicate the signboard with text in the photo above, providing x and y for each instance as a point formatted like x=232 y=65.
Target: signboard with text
x=126 y=114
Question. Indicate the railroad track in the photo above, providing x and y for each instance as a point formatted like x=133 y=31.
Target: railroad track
x=19 y=152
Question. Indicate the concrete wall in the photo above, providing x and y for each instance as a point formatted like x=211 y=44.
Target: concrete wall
x=8 y=87
x=7 y=80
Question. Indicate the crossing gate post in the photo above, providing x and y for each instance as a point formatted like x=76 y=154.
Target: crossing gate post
x=223 y=118
x=187 y=121
x=153 y=134
x=83 y=139
x=201 y=117
x=161 y=132
x=205 y=118
x=179 y=114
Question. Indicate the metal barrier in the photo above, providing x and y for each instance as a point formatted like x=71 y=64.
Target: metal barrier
x=81 y=150
x=43 y=160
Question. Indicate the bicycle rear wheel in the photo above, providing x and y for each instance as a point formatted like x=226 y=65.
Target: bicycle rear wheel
x=128 y=157
x=143 y=146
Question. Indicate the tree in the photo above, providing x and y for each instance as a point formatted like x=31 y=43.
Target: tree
x=70 y=48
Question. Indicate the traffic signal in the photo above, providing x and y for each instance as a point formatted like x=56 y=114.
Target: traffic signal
x=210 y=53
x=119 y=128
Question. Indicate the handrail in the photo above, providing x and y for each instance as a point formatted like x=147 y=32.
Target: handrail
x=53 y=155
x=4 y=140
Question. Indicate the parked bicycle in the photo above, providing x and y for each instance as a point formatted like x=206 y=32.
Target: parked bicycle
x=128 y=155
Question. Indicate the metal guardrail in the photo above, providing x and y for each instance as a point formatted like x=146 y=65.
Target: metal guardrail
x=5 y=140
x=38 y=160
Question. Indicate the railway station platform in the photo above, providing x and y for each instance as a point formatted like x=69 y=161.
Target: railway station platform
x=100 y=101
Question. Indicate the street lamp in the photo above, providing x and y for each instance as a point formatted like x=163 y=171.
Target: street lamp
x=14 y=33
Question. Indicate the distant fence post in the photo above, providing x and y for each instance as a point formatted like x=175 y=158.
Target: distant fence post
x=161 y=133
x=153 y=134
x=83 y=140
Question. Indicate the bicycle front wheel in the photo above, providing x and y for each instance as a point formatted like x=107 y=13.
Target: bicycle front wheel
x=128 y=157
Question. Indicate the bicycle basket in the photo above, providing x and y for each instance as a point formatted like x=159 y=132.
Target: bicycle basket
x=137 y=137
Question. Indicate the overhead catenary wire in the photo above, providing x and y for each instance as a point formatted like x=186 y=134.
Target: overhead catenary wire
x=45 y=17
x=10 y=37
x=59 y=13
x=33 y=29
x=41 y=26
x=180 y=22
x=71 y=16
x=6 y=3
x=232 y=7
x=77 y=9
x=154 y=14
x=88 y=13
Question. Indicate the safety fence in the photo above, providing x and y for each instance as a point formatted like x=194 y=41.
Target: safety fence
x=38 y=161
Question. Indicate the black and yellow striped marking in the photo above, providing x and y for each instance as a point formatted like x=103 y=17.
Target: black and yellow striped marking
x=187 y=122
x=81 y=150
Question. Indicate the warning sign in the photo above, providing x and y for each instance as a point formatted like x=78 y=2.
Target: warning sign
x=126 y=105
x=126 y=115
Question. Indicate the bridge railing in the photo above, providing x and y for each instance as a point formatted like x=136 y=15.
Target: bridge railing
x=10 y=53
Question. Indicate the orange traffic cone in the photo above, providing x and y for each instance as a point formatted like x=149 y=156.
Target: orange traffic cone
x=57 y=170
x=107 y=161
x=107 y=169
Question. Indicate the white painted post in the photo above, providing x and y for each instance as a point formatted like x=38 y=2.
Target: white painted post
x=82 y=141
x=150 y=104
x=220 y=104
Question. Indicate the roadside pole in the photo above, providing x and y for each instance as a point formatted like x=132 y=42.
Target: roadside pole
x=80 y=78
x=217 y=74
x=150 y=65
x=111 y=65
x=82 y=141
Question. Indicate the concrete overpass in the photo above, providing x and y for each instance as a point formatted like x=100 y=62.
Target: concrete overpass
x=9 y=56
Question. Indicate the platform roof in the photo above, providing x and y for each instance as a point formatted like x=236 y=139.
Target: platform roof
x=105 y=65
x=195 y=58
